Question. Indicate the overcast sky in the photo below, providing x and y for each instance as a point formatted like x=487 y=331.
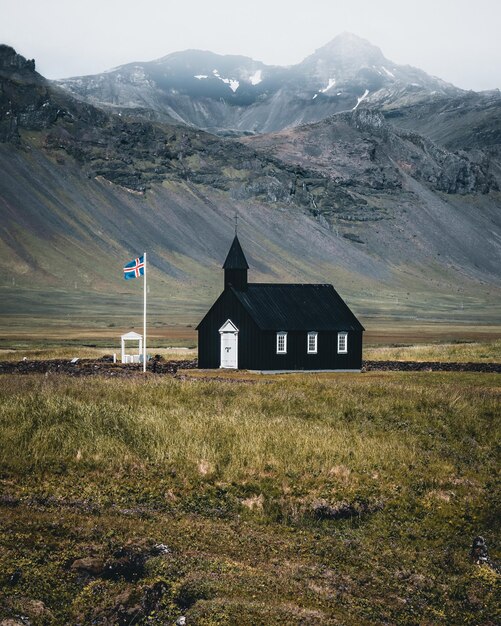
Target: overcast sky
x=457 y=40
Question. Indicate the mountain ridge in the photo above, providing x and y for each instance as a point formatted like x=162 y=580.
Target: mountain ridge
x=238 y=94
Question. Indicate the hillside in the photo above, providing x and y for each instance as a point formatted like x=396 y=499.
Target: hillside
x=399 y=225
x=471 y=121
x=364 y=171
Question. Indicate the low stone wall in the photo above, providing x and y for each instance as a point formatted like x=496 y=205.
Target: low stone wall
x=90 y=367
x=106 y=367
x=429 y=366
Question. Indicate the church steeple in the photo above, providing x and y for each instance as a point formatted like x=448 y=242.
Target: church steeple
x=235 y=267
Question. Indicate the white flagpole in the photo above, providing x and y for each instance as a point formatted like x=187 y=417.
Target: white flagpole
x=144 y=317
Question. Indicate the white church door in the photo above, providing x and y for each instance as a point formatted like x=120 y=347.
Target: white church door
x=229 y=345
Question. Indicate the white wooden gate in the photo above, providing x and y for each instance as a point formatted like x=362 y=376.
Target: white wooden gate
x=229 y=345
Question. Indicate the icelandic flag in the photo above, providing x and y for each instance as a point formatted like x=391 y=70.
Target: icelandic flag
x=134 y=269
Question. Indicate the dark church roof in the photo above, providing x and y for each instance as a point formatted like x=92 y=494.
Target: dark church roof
x=296 y=307
x=235 y=259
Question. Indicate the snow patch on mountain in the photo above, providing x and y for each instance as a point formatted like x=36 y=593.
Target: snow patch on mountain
x=359 y=100
x=332 y=82
x=256 y=78
x=234 y=84
x=201 y=76
x=387 y=72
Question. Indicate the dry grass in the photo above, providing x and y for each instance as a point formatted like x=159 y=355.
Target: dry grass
x=483 y=352
x=85 y=352
x=289 y=426
x=241 y=431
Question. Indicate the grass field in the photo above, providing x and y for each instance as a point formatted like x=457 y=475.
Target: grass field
x=324 y=499
x=459 y=351
x=391 y=341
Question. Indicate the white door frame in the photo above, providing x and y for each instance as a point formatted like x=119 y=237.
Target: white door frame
x=228 y=328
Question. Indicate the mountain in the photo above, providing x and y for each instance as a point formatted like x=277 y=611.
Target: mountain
x=399 y=224
x=349 y=61
x=234 y=94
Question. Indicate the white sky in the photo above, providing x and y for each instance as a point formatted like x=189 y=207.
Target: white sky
x=457 y=40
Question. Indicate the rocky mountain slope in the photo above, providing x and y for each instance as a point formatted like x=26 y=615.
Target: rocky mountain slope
x=470 y=121
x=397 y=223
x=237 y=94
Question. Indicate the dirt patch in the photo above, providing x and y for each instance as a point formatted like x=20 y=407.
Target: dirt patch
x=323 y=510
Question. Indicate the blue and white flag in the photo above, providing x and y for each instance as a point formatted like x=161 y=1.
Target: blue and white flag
x=134 y=269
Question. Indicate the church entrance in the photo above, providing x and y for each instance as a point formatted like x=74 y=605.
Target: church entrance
x=229 y=345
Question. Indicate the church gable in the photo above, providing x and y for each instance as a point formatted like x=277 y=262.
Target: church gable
x=228 y=327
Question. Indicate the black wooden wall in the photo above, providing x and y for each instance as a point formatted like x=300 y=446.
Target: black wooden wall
x=209 y=340
x=297 y=357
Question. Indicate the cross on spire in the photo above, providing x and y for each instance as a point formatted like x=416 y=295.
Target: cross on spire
x=236 y=223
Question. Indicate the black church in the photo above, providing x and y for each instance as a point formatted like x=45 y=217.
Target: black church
x=277 y=327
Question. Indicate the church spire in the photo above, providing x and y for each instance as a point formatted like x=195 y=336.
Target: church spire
x=235 y=259
x=235 y=267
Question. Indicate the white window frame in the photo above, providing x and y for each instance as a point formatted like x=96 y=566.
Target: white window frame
x=282 y=349
x=343 y=336
x=314 y=349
